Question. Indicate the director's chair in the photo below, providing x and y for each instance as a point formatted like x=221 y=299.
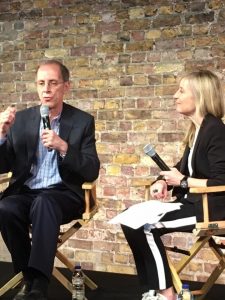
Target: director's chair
x=205 y=232
x=91 y=208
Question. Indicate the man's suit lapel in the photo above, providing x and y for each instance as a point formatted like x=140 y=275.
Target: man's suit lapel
x=65 y=123
x=32 y=131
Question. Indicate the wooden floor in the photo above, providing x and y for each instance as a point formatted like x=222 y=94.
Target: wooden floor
x=110 y=287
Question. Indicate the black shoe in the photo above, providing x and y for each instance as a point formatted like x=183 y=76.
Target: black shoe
x=35 y=295
x=23 y=292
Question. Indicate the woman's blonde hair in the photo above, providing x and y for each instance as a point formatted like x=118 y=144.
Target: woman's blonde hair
x=208 y=93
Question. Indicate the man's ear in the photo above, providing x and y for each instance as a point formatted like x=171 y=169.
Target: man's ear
x=67 y=85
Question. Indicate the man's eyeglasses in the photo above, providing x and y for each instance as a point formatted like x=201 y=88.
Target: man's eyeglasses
x=50 y=84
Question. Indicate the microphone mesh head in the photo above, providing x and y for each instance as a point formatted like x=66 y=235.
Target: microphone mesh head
x=149 y=150
x=44 y=111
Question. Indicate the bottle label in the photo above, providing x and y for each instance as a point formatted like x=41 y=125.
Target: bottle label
x=186 y=296
x=78 y=295
x=78 y=289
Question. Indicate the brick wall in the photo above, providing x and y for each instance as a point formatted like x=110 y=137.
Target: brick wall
x=124 y=57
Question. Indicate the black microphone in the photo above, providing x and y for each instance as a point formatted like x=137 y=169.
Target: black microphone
x=44 y=111
x=150 y=151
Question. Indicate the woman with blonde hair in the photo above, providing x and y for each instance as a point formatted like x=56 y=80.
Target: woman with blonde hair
x=199 y=98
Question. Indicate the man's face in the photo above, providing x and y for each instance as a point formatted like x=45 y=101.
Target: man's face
x=51 y=87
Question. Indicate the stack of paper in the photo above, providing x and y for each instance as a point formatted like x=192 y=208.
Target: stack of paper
x=149 y=212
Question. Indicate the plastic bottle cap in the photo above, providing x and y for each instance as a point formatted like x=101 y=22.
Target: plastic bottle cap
x=78 y=267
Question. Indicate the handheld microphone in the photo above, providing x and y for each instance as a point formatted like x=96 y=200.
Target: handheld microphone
x=44 y=111
x=150 y=151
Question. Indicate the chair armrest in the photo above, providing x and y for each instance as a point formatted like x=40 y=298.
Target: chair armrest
x=88 y=185
x=142 y=182
x=4 y=181
x=203 y=227
x=207 y=189
x=90 y=199
x=4 y=178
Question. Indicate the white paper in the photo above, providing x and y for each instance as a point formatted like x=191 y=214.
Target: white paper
x=148 y=212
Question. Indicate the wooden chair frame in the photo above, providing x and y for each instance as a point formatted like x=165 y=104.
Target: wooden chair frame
x=90 y=210
x=204 y=231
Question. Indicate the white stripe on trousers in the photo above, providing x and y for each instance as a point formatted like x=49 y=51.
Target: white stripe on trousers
x=177 y=223
x=158 y=259
x=154 y=248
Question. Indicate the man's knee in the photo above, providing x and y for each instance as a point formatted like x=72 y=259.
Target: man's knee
x=45 y=206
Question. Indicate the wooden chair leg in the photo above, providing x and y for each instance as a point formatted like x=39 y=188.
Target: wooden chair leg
x=12 y=283
x=178 y=267
x=201 y=241
x=210 y=281
x=216 y=272
x=90 y=283
x=62 y=279
x=175 y=277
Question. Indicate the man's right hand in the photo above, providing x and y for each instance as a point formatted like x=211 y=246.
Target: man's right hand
x=7 y=118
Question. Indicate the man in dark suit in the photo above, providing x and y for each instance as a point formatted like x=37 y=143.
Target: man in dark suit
x=48 y=168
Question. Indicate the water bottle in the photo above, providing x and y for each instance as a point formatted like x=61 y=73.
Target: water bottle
x=185 y=293
x=78 y=287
